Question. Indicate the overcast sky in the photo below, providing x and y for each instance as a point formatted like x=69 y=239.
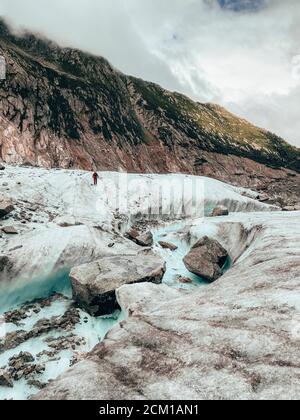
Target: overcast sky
x=242 y=54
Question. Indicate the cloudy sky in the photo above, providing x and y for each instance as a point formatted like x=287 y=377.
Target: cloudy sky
x=243 y=54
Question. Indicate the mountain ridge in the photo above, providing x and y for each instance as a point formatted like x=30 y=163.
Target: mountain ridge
x=62 y=107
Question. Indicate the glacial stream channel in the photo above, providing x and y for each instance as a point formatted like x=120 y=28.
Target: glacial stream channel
x=38 y=306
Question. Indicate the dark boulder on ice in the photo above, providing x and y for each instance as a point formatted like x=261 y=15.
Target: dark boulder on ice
x=6 y=206
x=168 y=245
x=65 y=323
x=5 y=265
x=5 y=379
x=146 y=239
x=27 y=370
x=206 y=259
x=94 y=284
x=263 y=197
x=185 y=280
x=66 y=221
x=2 y=167
x=22 y=365
x=132 y=234
x=220 y=211
x=10 y=230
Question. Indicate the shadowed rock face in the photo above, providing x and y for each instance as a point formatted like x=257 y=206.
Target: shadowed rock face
x=206 y=259
x=65 y=108
x=94 y=284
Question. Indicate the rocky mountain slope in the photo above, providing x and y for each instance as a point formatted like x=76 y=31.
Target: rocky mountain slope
x=62 y=107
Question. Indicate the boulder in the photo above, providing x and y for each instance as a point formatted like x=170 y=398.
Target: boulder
x=167 y=245
x=185 y=280
x=5 y=379
x=220 y=211
x=6 y=206
x=132 y=234
x=291 y=208
x=23 y=358
x=32 y=207
x=206 y=259
x=94 y=284
x=2 y=167
x=145 y=239
x=237 y=340
x=66 y=221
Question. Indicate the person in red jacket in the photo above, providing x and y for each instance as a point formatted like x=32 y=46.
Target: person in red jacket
x=95 y=178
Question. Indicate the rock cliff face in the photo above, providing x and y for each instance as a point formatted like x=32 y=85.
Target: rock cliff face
x=64 y=108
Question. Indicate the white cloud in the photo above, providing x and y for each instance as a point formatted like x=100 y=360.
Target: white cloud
x=244 y=61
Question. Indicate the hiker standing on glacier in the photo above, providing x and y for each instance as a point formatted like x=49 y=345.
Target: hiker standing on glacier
x=95 y=178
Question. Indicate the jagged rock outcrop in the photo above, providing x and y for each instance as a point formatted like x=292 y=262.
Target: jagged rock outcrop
x=94 y=285
x=64 y=108
x=206 y=259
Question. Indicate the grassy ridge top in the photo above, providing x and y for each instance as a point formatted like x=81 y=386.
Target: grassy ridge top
x=216 y=128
